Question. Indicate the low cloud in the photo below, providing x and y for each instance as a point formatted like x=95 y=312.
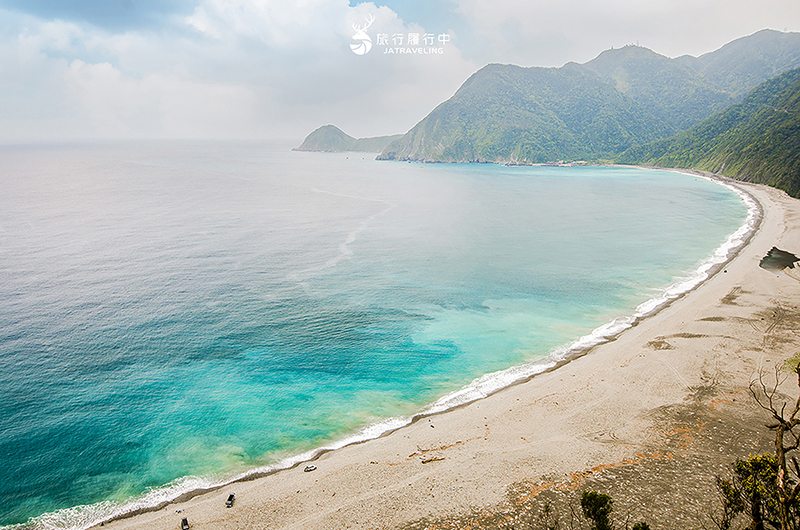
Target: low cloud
x=280 y=68
x=229 y=68
x=546 y=33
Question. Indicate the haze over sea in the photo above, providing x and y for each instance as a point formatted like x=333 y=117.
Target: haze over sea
x=176 y=314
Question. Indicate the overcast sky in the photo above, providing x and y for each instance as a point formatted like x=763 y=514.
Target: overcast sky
x=72 y=69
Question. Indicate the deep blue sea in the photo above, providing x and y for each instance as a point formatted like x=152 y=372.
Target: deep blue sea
x=177 y=314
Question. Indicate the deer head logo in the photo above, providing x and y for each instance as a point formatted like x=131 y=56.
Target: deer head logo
x=364 y=44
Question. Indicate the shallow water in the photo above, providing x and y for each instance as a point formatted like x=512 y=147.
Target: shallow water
x=182 y=309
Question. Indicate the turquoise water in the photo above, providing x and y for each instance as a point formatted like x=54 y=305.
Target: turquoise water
x=176 y=314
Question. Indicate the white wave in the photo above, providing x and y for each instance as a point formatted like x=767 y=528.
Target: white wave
x=83 y=517
x=87 y=516
x=490 y=383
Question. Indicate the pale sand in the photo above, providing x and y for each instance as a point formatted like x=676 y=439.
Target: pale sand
x=596 y=411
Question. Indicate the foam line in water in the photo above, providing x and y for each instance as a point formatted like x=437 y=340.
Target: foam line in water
x=344 y=250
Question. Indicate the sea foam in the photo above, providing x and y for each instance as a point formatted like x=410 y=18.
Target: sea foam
x=83 y=517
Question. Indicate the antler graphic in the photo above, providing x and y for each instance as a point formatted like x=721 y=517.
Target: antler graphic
x=370 y=20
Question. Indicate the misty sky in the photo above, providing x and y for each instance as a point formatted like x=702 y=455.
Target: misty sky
x=73 y=69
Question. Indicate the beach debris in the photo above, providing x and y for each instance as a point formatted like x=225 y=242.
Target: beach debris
x=432 y=459
x=229 y=502
x=309 y=468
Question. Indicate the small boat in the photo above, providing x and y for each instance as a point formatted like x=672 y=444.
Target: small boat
x=230 y=500
x=184 y=524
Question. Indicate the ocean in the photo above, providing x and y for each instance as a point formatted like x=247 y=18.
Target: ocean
x=175 y=315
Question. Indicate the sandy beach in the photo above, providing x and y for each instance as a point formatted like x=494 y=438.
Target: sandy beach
x=667 y=399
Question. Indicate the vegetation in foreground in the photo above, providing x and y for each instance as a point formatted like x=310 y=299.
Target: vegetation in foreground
x=758 y=492
x=763 y=491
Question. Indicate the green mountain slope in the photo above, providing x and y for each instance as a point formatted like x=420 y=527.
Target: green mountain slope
x=622 y=98
x=330 y=138
x=757 y=140
x=504 y=113
x=327 y=138
x=743 y=63
x=669 y=90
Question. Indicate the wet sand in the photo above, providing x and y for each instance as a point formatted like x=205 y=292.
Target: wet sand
x=668 y=398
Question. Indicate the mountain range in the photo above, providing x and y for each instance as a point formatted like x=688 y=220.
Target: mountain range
x=734 y=111
x=756 y=140
x=593 y=111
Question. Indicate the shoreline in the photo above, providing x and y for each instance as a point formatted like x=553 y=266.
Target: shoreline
x=416 y=421
x=555 y=360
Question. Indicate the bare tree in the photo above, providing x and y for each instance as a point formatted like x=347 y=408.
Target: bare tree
x=787 y=486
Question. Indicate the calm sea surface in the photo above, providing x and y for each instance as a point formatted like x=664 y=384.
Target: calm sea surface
x=175 y=314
